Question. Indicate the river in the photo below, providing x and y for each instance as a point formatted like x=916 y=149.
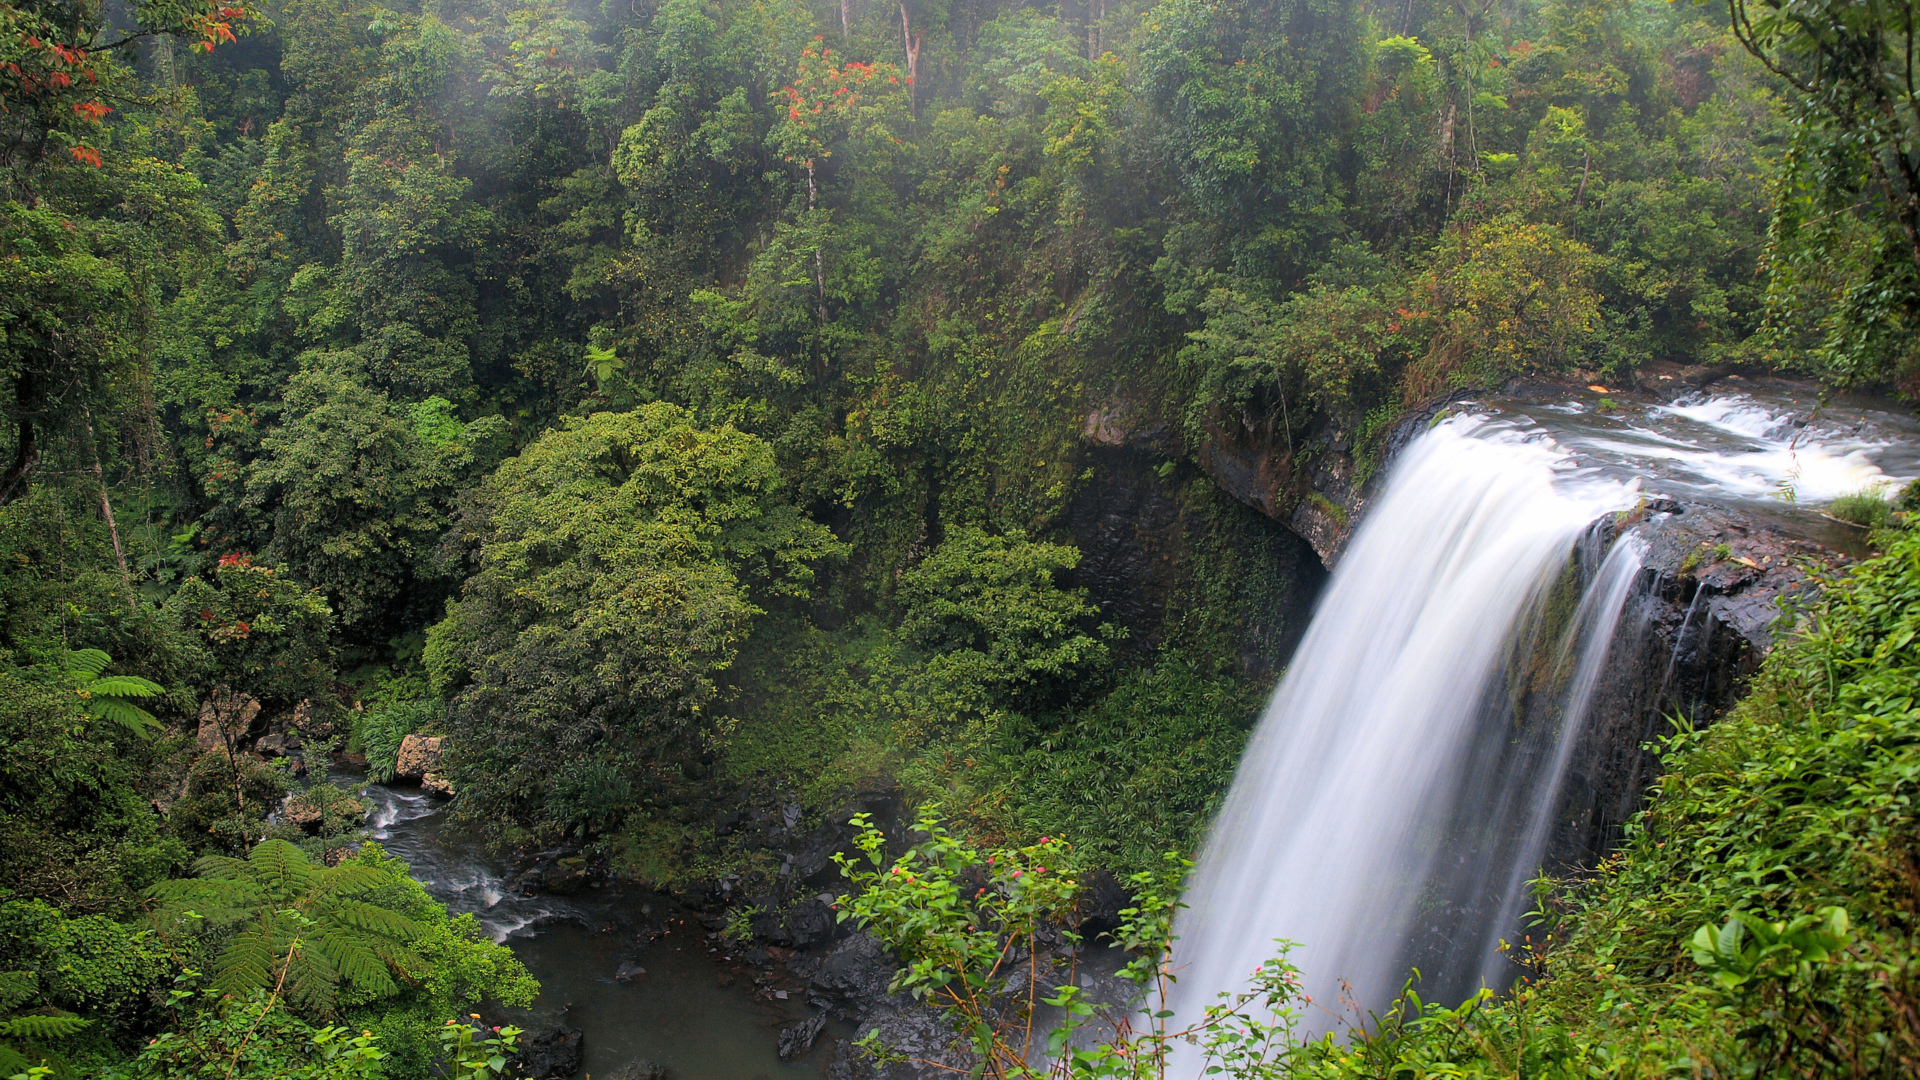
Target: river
x=692 y=1011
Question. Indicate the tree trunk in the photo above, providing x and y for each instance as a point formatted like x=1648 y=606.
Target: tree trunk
x=913 y=56
x=846 y=19
x=106 y=509
x=819 y=264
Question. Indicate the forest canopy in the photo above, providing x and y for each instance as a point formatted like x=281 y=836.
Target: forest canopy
x=674 y=400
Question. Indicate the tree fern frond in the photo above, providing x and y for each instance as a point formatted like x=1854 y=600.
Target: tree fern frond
x=219 y=900
x=358 y=964
x=13 y=1061
x=350 y=878
x=281 y=868
x=42 y=1026
x=88 y=662
x=223 y=868
x=250 y=960
x=371 y=919
x=123 y=686
x=16 y=987
x=133 y=718
x=404 y=960
x=313 y=981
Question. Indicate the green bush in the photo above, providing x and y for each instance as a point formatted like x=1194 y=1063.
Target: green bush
x=1869 y=507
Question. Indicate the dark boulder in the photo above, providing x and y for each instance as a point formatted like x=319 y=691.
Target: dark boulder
x=548 y=1054
x=799 y=1038
x=857 y=971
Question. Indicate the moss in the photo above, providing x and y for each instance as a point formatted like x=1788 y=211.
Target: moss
x=1328 y=507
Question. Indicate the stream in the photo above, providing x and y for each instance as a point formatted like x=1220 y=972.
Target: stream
x=690 y=1011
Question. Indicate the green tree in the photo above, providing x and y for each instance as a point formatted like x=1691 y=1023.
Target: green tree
x=989 y=613
x=258 y=632
x=616 y=564
x=359 y=489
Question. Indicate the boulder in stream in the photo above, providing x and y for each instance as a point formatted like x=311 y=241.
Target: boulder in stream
x=799 y=1038
x=642 y=1069
x=419 y=755
x=548 y=1054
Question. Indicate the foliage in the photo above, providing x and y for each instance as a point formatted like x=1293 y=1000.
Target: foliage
x=387 y=725
x=469 y=1055
x=105 y=696
x=359 y=490
x=360 y=942
x=617 y=562
x=76 y=823
x=294 y=928
x=985 y=934
x=1856 y=156
x=988 y=612
x=248 y=1035
x=259 y=632
x=1870 y=508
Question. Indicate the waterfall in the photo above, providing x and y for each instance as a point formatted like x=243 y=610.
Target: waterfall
x=1400 y=789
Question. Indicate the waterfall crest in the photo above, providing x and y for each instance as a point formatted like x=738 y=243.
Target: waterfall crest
x=1398 y=791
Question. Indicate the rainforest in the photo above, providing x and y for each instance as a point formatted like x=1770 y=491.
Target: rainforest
x=899 y=538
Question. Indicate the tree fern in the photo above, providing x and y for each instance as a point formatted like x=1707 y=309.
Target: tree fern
x=296 y=926
x=106 y=697
x=22 y=1034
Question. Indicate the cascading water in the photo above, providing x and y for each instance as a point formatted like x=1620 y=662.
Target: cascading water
x=407 y=824
x=1395 y=797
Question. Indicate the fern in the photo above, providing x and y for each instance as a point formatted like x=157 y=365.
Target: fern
x=303 y=927
x=105 y=697
x=22 y=1034
x=42 y=1026
x=16 y=987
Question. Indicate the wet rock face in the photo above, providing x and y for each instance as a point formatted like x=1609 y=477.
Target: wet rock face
x=1145 y=523
x=1712 y=593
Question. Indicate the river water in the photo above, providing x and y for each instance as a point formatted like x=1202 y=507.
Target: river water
x=690 y=1011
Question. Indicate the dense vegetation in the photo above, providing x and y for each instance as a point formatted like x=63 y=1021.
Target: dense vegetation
x=670 y=400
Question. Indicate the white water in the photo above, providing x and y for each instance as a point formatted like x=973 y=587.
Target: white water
x=1390 y=786
x=407 y=824
x=1736 y=447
